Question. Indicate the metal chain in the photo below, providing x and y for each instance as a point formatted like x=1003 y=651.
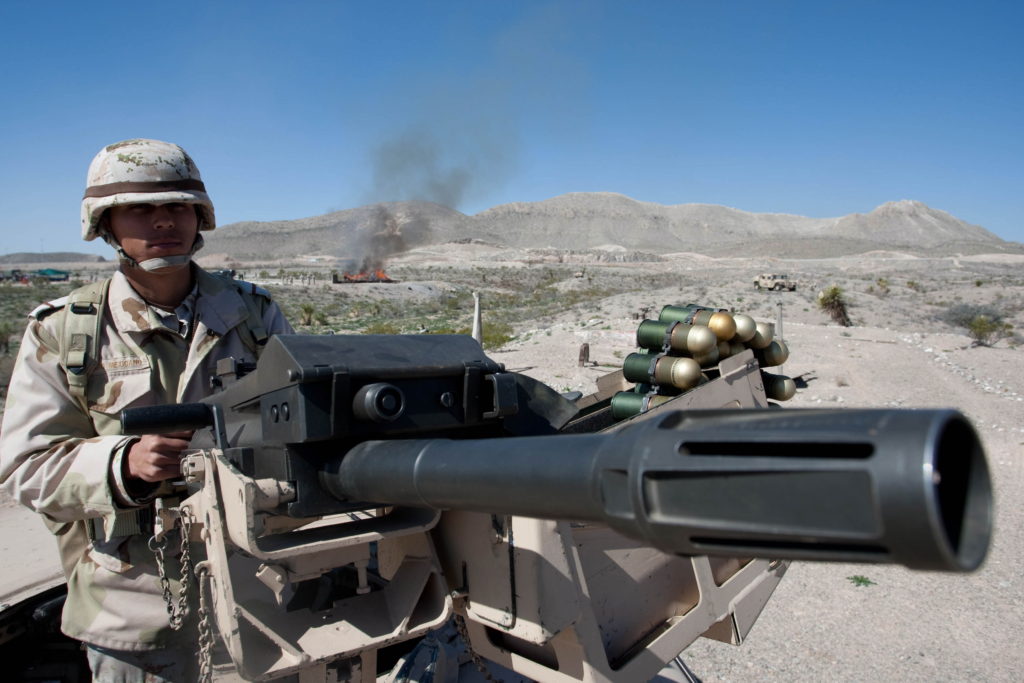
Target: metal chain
x=157 y=546
x=205 y=625
x=186 y=562
x=481 y=665
x=175 y=613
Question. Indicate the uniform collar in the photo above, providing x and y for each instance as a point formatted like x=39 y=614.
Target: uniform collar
x=218 y=306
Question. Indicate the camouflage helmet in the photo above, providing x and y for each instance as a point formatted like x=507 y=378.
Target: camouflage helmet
x=142 y=172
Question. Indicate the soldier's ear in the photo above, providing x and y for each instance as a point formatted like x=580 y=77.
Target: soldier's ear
x=103 y=229
x=200 y=219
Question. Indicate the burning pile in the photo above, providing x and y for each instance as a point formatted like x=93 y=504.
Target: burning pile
x=375 y=275
x=380 y=238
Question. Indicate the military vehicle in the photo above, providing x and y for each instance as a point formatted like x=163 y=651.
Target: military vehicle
x=401 y=508
x=776 y=282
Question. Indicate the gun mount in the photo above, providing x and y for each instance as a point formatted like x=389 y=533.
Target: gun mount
x=357 y=492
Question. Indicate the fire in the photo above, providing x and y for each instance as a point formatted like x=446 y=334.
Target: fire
x=376 y=275
x=373 y=243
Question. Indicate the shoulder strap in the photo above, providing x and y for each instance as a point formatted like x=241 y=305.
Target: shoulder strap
x=79 y=340
x=251 y=295
x=43 y=310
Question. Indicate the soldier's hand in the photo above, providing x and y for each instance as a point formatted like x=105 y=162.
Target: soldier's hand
x=156 y=457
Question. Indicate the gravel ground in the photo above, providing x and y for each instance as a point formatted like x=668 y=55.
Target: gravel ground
x=906 y=625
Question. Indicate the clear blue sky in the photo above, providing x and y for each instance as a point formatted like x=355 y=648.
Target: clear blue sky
x=293 y=109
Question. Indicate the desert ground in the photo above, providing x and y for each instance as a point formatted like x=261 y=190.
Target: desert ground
x=900 y=625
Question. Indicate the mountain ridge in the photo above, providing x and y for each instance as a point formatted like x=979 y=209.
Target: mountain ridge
x=588 y=220
x=593 y=220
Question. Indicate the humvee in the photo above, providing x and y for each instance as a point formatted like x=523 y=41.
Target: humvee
x=775 y=281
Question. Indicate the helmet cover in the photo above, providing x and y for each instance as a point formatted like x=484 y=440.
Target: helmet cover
x=142 y=172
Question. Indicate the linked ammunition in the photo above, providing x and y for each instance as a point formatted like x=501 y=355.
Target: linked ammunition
x=729 y=348
x=680 y=314
x=763 y=336
x=683 y=337
x=778 y=387
x=709 y=358
x=626 y=404
x=637 y=367
x=721 y=323
x=677 y=371
x=690 y=338
x=746 y=327
x=717 y=320
x=775 y=353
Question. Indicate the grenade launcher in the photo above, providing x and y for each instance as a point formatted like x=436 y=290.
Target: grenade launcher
x=356 y=492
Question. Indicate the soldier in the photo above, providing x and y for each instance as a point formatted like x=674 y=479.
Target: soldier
x=151 y=334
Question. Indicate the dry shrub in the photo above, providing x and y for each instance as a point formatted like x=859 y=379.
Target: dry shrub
x=984 y=324
x=832 y=302
x=985 y=331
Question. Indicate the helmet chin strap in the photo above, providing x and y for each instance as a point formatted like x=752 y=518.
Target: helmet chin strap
x=155 y=265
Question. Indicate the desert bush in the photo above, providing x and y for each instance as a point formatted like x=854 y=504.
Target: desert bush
x=307 y=314
x=832 y=302
x=985 y=331
x=883 y=286
x=961 y=315
x=984 y=324
x=496 y=335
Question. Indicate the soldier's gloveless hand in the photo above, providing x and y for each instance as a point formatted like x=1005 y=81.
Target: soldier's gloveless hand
x=156 y=457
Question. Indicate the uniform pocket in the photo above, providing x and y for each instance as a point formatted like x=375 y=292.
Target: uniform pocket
x=112 y=389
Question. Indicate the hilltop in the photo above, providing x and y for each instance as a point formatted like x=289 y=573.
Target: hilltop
x=25 y=258
x=591 y=220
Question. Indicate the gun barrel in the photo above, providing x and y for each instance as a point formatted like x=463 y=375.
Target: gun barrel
x=910 y=486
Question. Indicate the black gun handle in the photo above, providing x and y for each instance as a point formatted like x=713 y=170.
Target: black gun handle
x=165 y=419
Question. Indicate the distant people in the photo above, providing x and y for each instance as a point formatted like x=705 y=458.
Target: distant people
x=149 y=335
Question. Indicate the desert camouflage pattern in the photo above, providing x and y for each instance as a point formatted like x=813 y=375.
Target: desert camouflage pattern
x=56 y=454
x=170 y=665
x=142 y=172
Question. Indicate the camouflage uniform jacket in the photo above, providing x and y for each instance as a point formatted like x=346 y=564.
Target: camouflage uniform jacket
x=62 y=458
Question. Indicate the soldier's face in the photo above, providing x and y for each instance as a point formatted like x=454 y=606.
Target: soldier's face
x=147 y=231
